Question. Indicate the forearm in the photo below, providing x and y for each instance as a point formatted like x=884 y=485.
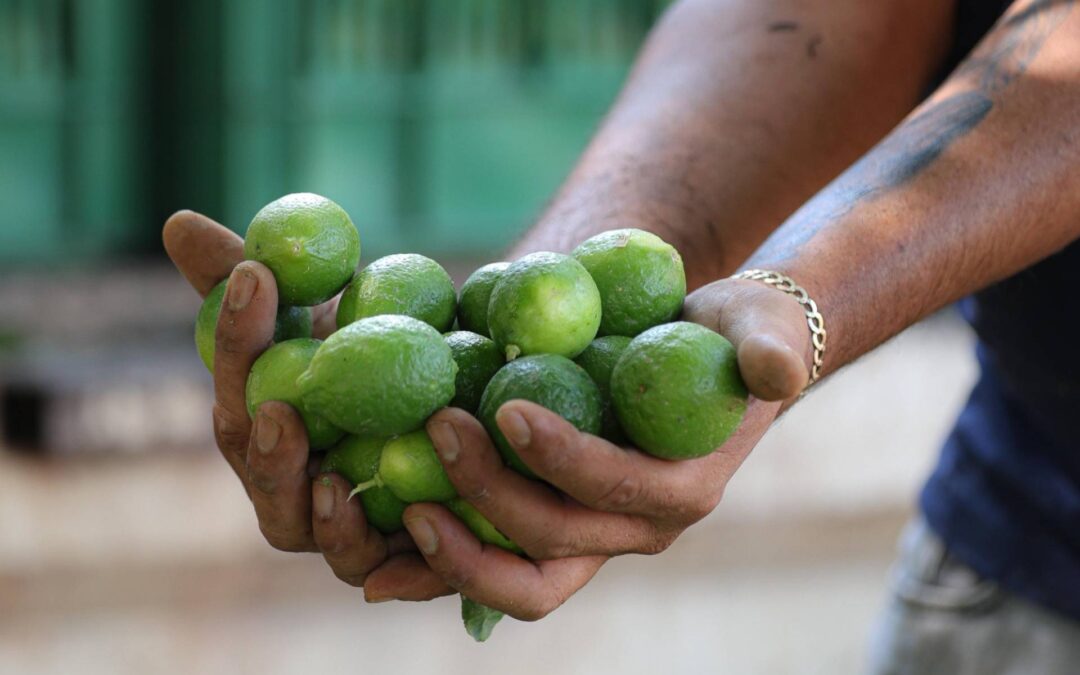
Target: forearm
x=977 y=184
x=739 y=111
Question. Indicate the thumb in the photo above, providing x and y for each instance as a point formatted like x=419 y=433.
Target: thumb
x=768 y=329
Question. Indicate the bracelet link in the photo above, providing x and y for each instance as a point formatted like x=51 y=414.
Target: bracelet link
x=814 y=320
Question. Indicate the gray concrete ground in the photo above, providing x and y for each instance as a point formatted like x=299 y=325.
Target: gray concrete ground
x=151 y=562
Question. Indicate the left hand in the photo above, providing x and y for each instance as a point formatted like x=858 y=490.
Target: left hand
x=609 y=500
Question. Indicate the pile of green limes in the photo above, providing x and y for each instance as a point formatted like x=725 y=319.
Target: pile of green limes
x=592 y=336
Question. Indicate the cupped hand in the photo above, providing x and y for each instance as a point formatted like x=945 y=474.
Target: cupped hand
x=270 y=453
x=606 y=500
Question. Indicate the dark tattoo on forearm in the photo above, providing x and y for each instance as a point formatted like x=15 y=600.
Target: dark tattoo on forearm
x=999 y=61
x=920 y=141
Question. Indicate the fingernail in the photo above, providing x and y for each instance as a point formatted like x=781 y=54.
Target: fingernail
x=323 y=499
x=267 y=433
x=374 y=599
x=514 y=427
x=242 y=285
x=445 y=438
x=423 y=534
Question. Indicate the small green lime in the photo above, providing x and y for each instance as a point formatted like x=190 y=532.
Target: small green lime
x=598 y=360
x=545 y=303
x=408 y=284
x=380 y=376
x=310 y=245
x=273 y=378
x=475 y=295
x=356 y=459
x=677 y=391
x=478 y=359
x=481 y=526
x=553 y=381
x=292 y=322
x=640 y=277
x=412 y=471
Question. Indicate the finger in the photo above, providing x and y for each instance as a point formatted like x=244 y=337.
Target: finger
x=604 y=476
x=399 y=542
x=324 y=318
x=204 y=251
x=405 y=576
x=768 y=329
x=245 y=329
x=350 y=547
x=277 y=478
x=542 y=522
x=489 y=575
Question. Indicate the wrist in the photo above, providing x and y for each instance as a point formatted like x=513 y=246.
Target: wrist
x=815 y=321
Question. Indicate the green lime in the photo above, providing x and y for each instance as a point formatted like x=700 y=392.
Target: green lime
x=640 y=277
x=478 y=359
x=380 y=376
x=475 y=294
x=412 y=470
x=481 y=526
x=356 y=459
x=598 y=360
x=545 y=303
x=273 y=378
x=677 y=391
x=310 y=245
x=553 y=381
x=292 y=322
x=406 y=284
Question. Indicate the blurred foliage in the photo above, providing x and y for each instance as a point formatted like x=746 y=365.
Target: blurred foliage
x=439 y=124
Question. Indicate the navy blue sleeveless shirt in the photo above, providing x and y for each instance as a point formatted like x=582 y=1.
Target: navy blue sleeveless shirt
x=1005 y=496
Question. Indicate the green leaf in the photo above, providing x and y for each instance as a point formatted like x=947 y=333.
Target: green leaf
x=479 y=620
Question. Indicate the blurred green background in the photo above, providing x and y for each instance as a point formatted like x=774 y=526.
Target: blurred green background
x=441 y=124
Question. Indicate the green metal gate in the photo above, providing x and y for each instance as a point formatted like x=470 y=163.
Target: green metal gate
x=71 y=181
x=440 y=125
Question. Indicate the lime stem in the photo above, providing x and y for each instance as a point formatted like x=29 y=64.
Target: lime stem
x=366 y=485
x=512 y=352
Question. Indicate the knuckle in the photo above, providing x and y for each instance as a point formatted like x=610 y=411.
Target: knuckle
x=262 y=481
x=560 y=459
x=459 y=578
x=232 y=343
x=475 y=493
x=230 y=433
x=531 y=613
x=535 y=607
x=549 y=550
x=550 y=544
x=331 y=546
x=658 y=544
x=622 y=494
x=351 y=578
x=289 y=542
x=698 y=509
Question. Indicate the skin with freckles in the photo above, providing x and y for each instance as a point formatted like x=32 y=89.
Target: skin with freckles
x=735 y=115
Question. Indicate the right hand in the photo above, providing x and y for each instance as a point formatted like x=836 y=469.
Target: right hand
x=270 y=453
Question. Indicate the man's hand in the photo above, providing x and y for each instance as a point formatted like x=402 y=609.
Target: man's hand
x=270 y=454
x=609 y=500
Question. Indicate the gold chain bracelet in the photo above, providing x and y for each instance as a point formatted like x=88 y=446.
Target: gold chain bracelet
x=814 y=320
